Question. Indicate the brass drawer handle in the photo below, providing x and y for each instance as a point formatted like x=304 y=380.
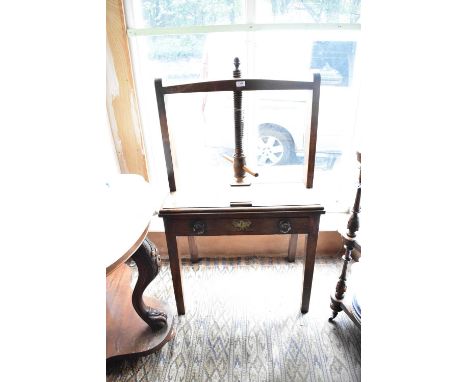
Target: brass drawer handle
x=285 y=226
x=199 y=227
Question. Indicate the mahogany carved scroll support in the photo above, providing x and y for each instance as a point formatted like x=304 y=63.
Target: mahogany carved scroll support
x=148 y=262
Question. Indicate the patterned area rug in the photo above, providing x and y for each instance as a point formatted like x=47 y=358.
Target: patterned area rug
x=243 y=323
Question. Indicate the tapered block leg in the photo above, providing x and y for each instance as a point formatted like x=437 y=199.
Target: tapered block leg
x=309 y=263
x=174 y=261
x=292 y=248
x=193 y=249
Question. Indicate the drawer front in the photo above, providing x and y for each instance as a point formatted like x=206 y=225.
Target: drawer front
x=241 y=226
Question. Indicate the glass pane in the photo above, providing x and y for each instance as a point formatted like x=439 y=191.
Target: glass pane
x=202 y=125
x=305 y=11
x=334 y=60
x=174 y=58
x=281 y=117
x=205 y=130
x=182 y=13
x=190 y=57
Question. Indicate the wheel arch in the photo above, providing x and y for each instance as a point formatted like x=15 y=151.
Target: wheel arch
x=281 y=129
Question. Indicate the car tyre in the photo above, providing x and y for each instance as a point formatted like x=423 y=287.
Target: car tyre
x=275 y=146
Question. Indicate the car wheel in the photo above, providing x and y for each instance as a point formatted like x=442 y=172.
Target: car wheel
x=274 y=146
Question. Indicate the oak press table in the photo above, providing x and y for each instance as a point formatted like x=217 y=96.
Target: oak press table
x=279 y=209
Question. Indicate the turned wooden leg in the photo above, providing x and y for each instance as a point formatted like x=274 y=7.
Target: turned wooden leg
x=292 y=247
x=193 y=249
x=148 y=264
x=349 y=242
x=309 y=263
x=336 y=299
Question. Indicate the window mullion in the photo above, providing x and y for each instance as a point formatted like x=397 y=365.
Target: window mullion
x=250 y=11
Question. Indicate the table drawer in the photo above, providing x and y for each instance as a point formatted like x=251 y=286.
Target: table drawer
x=242 y=226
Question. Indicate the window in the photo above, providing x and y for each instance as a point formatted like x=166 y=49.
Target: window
x=196 y=40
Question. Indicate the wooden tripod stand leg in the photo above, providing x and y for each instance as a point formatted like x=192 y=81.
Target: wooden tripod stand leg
x=148 y=264
x=128 y=316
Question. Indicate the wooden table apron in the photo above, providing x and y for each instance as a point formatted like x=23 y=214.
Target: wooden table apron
x=242 y=221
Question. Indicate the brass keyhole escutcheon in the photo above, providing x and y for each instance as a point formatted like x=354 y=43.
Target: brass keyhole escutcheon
x=285 y=226
x=199 y=227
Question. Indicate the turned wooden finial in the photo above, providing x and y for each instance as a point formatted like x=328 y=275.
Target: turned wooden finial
x=236 y=73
